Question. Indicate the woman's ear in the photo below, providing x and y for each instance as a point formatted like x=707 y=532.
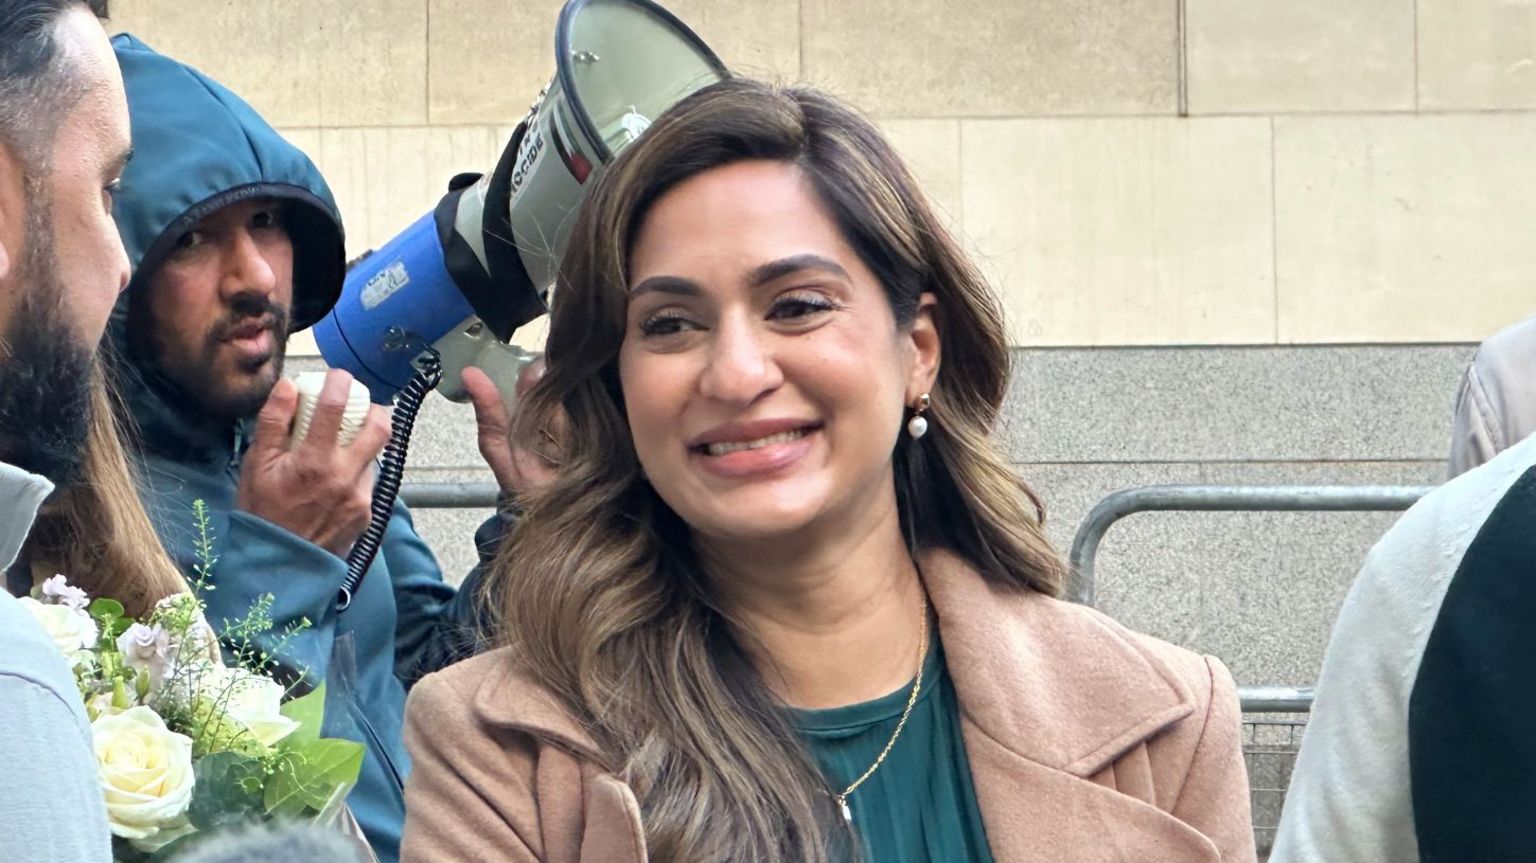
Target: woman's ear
x=926 y=347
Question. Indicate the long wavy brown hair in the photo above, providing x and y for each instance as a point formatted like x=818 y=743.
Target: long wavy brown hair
x=95 y=531
x=606 y=603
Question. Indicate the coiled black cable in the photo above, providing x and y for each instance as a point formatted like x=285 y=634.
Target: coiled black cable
x=391 y=472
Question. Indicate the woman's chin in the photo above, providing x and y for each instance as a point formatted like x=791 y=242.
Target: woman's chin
x=756 y=524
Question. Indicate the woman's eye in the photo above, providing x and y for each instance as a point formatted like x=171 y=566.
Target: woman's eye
x=665 y=324
x=266 y=219
x=190 y=239
x=797 y=307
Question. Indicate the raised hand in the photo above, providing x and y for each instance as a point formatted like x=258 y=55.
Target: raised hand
x=516 y=469
x=316 y=488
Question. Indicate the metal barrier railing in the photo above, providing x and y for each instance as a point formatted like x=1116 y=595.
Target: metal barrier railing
x=1215 y=498
x=449 y=495
x=1219 y=498
x=1275 y=715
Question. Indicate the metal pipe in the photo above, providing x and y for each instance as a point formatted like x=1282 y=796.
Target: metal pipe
x=449 y=495
x=1275 y=699
x=1207 y=498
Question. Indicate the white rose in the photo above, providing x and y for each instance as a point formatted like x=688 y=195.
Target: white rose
x=145 y=771
x=253 y=701
x=73 y=631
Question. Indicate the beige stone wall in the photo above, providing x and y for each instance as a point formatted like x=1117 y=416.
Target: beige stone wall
x=1130 y=171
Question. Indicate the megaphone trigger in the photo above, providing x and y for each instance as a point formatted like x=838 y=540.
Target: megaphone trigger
x=472 y=344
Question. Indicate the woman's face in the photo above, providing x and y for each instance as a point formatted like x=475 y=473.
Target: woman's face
x=763 y=371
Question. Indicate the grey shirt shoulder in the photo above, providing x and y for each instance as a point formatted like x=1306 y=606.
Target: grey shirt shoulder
x=1350 y=797
x=52 y=810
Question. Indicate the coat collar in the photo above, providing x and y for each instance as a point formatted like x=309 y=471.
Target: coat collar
x=511 y=699
x=1060 y=685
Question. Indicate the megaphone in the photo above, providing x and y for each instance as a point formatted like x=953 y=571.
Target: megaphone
x=449 y=291
x=454 y=286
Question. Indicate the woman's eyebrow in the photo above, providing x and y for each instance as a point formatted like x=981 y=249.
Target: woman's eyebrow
x=667 y=285
x=760 y=275
x=766 y=273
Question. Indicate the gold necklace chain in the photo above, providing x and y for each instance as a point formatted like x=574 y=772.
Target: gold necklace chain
x=917 y=687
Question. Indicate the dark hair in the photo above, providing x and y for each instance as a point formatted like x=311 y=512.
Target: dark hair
x=602 y=599
x=36 y=86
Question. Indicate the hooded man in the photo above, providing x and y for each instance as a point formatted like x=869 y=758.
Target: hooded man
x=236 y=242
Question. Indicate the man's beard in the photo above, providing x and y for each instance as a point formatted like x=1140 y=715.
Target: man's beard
x=192 y=375
x=45 y=373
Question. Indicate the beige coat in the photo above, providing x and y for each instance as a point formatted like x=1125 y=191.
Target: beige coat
x=1087 y=742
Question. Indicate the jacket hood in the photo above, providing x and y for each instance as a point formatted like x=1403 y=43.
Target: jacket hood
x=199 y=148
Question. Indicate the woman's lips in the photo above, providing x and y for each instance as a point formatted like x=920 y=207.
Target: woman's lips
x=755 y=457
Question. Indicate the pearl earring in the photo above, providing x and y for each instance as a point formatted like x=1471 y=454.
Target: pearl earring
x=917 y=426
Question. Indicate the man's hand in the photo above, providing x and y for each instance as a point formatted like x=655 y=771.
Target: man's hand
x=516 y=469
x=316 y=488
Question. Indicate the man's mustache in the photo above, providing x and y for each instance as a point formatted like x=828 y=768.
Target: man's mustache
x=247 y=311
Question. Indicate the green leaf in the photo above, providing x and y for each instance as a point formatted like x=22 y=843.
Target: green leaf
x=103 y=608
x=310 y=775
x=223 y=796
x=116 y=626
x=309 y=712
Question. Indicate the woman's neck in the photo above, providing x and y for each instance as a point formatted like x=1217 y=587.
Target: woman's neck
x=832 y=623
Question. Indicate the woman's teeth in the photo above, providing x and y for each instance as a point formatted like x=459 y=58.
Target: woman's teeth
x=738 y=446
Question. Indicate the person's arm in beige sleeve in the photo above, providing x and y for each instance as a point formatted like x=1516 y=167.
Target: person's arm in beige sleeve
x=452 y=798
x=1476 y=435
x=1214 y=798
x=1496 y=401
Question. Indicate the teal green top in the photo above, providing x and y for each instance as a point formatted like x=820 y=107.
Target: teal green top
x=920 y=805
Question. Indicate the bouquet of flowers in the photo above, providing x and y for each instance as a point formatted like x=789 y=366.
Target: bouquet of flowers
x=187 y=744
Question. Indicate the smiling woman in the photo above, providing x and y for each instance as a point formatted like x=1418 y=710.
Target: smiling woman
x=785 y=601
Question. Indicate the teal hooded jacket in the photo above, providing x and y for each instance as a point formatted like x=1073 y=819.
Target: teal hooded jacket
x=198 y=148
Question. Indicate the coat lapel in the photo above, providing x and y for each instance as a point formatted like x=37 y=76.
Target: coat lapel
x=591 y=819
x=1051 y=695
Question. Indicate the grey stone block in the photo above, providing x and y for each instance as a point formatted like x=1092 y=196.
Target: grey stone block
x=445 y=436
x=1196 y=404
x=450 y=532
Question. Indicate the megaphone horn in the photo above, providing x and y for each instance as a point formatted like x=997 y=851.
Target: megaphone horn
x=449 y=291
